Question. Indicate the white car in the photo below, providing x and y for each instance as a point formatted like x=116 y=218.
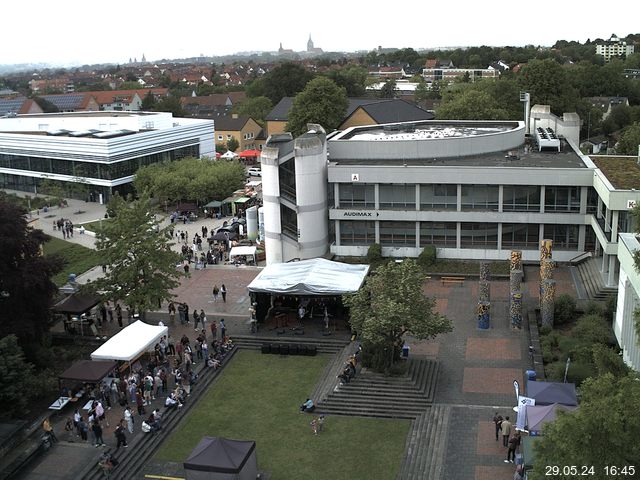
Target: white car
x=254 y=172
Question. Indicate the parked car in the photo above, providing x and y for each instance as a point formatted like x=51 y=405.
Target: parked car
x=254 y=172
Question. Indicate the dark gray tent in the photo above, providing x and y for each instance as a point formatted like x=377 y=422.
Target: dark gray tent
x=217 y=458
x=547 y=393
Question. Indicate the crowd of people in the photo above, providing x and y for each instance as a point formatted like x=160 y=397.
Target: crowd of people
x=65 y=226
x=349 y=368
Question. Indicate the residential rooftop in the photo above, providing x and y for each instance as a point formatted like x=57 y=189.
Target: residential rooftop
x=622 y=172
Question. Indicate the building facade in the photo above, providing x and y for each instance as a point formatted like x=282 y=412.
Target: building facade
x=101 y=150
x=628 y=301
x=614 y=47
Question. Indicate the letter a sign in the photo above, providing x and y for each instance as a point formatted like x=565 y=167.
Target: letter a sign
x=355 y=177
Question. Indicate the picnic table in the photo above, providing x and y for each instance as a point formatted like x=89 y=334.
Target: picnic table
x=60 y=403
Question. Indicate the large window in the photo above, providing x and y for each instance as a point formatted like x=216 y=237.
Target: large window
x=592 y=200
x=289 y=222
x=565 y=237
x=440 y=234
x=479 y=235
x=398 y=234
x=521 y=198
x=357 y=195
x=520 y=235
x=438 y=197
x=287 y=173
x=398 y=197
x=479 y=197
x=357 y=233
x=562 y=199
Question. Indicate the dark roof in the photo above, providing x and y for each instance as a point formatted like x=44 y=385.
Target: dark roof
x=12 y=105
x=396 y=110
x=76 y=304
x=90 y=371
x=230 y=123
x=66 y=101
x=222 y=455
x=547 y=393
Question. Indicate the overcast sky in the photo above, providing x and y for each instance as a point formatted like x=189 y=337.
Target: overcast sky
x=86 y=32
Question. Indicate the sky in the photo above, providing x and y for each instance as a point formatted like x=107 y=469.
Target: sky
x=76 y=32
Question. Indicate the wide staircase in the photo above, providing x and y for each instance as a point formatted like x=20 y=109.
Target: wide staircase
x=592 y=280
x=322 y=344
x=372 y=394
x=426 y=443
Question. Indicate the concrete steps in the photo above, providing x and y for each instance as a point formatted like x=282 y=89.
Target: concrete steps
x=329 y=378
x=426 y=444
x=323 y=344
x=372 y=394
x=592 y=280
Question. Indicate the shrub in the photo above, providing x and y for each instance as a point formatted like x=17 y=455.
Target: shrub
x=607 y=360
x=592 y=329
x=565 y=309
x=594 y=308
x=374 y=254
x=428 y=256
x=610 y=307
x=578 y=372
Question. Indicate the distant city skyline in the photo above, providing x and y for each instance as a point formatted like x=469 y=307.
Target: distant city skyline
x=75 y=34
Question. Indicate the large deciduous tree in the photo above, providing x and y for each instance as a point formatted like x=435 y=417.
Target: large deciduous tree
x=26 y=289
x=630 y=140
x=471 y=104
x=603 y=432
x=256 y=107
x=286 y=80
x=142 y=264
x=389 y=305
x=322 y=102
x=548 y=83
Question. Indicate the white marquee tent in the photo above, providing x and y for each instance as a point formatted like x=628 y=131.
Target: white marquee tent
x=131 y=342
x=317 y=276
x=243 y=251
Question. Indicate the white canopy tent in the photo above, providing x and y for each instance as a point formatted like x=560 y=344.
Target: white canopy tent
x=229 y=155
x=131 y=342
x=317 y=276
x=243 y=251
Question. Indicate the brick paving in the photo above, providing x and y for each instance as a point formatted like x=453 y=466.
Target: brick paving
x=493 y=349
x=490 y=380
x=483 y=472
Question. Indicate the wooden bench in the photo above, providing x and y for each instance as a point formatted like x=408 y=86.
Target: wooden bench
x=447 y=280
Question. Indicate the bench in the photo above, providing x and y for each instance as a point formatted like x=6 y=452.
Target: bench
x=447 y=280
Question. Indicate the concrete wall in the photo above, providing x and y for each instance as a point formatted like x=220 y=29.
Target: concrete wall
x=628 y=301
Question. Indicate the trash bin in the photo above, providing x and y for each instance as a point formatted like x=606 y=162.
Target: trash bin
x=405 y=351
x=72 y=278
x=531 y=375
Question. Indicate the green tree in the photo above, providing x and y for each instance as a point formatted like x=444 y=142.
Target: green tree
x=143 y=266
x=630 y=141
x=422 y=92
x=233 y=144
x=255 y=107
x=602 y=432
x=548 y=83
x=285 y=80
x=388 y=90
x=471 y=104
x=26 y=289
x=149 y=102
x=171 y=104
x=352 y=77
x=389 y=305
x=322 y=102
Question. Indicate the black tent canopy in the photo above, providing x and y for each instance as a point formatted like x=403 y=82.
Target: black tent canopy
x=90 y=371
x=76 y=304
x=218 y=458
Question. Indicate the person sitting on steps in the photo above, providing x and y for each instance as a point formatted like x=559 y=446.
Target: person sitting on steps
x=307 y=406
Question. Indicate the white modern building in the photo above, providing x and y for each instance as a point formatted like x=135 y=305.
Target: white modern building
x=102 y=150
x=628 y=301
x=614 y=47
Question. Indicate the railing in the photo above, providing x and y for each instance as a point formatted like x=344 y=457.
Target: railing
x=578 y=259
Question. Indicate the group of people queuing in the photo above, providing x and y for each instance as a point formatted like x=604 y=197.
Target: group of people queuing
x=108 y=311
x=349 y=368
x=65 y=226
x=510 y=438
x=91 y=424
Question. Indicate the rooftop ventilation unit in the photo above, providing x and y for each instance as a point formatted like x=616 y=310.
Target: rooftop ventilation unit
x=547 y=139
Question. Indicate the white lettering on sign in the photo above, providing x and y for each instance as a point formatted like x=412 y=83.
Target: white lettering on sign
x=631 y=204
x=350 y=213
x=355 y=177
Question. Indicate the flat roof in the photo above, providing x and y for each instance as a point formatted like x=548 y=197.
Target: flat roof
x=622 y=172
x=515 y=158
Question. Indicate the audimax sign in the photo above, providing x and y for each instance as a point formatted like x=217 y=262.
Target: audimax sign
x=360 y=213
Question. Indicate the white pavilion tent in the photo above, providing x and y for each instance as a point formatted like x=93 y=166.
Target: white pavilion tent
x=131 y=342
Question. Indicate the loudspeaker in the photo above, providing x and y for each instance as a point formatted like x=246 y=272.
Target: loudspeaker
x=266 y=348
x=284 y=349
x=312 y=350
x=275 y=348
x=293 y=349
x=302 y=349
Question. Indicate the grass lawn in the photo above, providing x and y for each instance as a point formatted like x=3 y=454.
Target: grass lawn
x=95 y=225
x=257 y=398
x=78 y=259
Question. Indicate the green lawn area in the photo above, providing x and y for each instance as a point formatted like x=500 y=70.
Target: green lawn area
x=94 y=226
x=257 y=398
x=78 y=259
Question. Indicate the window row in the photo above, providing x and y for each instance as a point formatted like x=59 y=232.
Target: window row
x=104 y=171
x=515 y=198
x=444 y=234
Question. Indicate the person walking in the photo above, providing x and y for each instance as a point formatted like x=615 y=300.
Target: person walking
x=214 y=330
x=128 y=417
x=97 y=433
x=506 y=431
x=514 y=442
x=497 y=419
x=203 y=319
x=48 y=430
x=121 y=437
x=223 y=292
x=196 y=319
x=83 y=428
x=223 y=330
x=215 y=291
x=119 y=314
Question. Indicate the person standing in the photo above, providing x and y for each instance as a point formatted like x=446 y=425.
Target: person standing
x=181 y=313
x=506 y=431
x=214 y=330
x=83 y=428
x=120 y=435
x=514 y=442
x=497 y=419
x=48 y=430
x=97 y=433
x=223 y=330
x=196 y=319
x=128 y=417
x=172 y=312
x=223 y=292
x=215 y=291
x=119 y=314
x=203 y=319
